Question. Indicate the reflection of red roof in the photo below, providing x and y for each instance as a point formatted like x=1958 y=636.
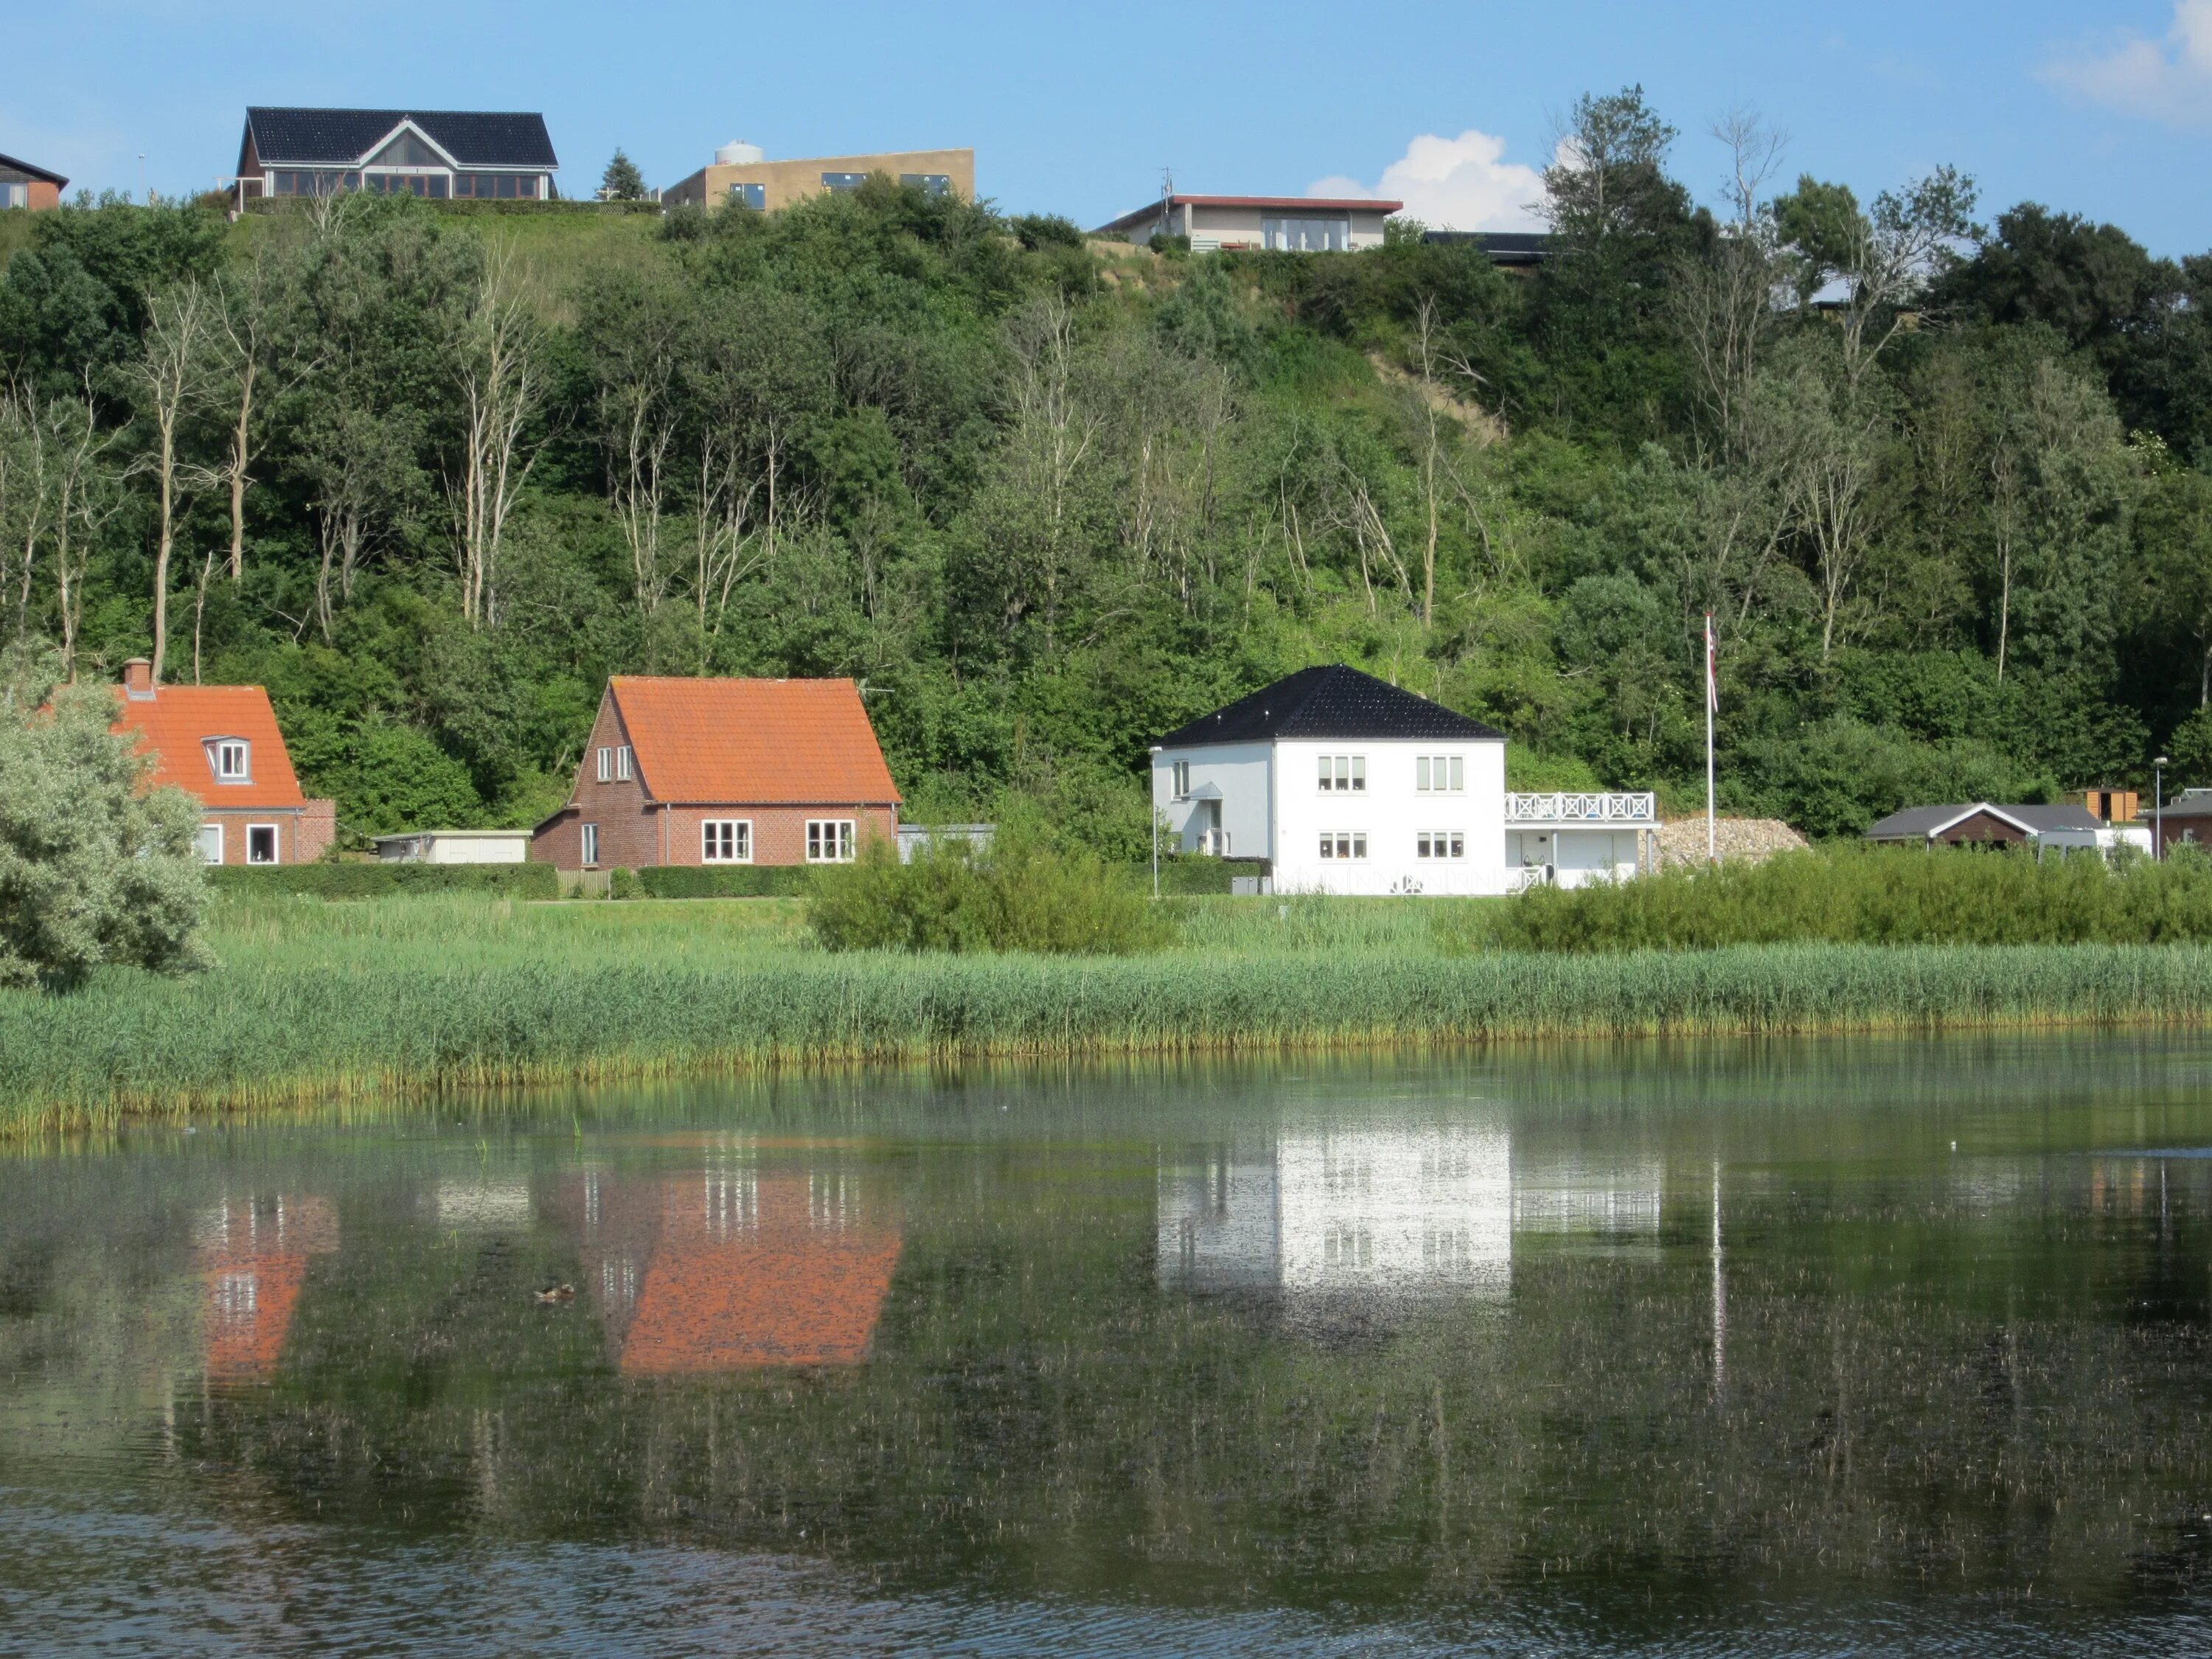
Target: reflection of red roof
x=175 y=724
x=803 y=742
x=253 y=1260
x=785 y=1296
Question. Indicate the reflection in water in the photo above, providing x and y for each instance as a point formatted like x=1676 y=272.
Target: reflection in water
x=252 y=1256
x=1404 y=1211
x=1911 y=1352
x=730 y=1268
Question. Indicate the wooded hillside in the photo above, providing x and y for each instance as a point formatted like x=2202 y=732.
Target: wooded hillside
x=432 y=475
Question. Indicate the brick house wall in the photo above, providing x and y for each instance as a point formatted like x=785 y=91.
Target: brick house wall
x=636 y=834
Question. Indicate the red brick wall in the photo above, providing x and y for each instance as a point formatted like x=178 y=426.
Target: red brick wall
x=631 y=829
x=318 y=828
x=235 y=821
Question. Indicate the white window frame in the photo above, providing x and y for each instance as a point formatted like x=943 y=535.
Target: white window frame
x=212 y=826
x=736 y=832
x=1446 y=845
x=838 y=834
x=606 y=764
x=221 y=748
x=1343 y=775
x=1440 y=774
x=276 y=843
x=624 y=766
x=587 y=843
x=1179 y=775
x=1343 y=845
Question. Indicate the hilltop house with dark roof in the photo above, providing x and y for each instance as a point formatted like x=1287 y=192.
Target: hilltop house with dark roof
x=440 y=154
x=2065 y=825
x=1339 y=782
x=22 y=185
x=1285 y=224
x=716 y=772
x=220 y=744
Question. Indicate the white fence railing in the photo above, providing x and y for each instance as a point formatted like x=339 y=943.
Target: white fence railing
x=1520 y=878
x=1583 y=806
x=1214 y=843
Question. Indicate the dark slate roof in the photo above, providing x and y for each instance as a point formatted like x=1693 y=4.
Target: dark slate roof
x=475 y=139
x=2190 y=804
x=1504 y=247
x=10 y=164
x=1332 y=701
x=1918 y=823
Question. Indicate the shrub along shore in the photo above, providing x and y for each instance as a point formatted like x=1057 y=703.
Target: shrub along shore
x=366 y=1016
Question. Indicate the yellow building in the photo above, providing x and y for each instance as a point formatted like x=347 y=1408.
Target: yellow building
x=743 y=173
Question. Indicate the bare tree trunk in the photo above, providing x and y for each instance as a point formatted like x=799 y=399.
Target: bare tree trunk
x=502 y=390
x=169 y=382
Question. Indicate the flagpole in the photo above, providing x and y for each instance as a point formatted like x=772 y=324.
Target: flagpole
x=1712 y=702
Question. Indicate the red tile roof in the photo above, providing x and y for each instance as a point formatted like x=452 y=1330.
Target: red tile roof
x=753 y=742
x=175 y=724
x=786 y=1296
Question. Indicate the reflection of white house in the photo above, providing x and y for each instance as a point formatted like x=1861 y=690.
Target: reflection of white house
x=1394 y=1210
x=1338 y=782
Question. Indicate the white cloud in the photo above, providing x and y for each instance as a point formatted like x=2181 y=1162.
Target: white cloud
x=1458 y=183
x=2169 y=80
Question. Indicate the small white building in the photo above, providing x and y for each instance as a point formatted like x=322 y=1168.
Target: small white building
x=1287 y=224
x=455 y=847
x=1339 y=782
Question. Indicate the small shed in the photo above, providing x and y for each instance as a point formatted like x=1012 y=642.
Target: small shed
x=913 y=837
x=2112 y=805
x=1985 y=824
x=455 y=847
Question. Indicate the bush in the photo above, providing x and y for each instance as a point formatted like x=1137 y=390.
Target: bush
x=679 y=881
x=95 y=869
x=360 y=881
x=1196 y=876
x=1861 y=896
x=1020 y=894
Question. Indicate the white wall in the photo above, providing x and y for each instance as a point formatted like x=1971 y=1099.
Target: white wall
x=1240 y=771
x=1391 y=812
x=1411 y=1209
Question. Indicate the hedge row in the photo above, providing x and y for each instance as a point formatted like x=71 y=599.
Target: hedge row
x=353 y=881
x=680 y=881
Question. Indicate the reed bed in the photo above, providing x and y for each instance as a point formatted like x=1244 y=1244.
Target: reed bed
x=430 y=996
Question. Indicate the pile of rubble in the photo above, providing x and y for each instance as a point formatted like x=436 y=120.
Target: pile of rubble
x=1749 y=840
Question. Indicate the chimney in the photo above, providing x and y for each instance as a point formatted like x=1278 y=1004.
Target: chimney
x=139 y=680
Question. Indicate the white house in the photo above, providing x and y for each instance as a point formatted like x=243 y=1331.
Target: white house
x=1289 y=224
x=1339 y=782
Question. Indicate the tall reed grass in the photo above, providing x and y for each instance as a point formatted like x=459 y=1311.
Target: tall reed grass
x=1862 y=895
x=338 y=1002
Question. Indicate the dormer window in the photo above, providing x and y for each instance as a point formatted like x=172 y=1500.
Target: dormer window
x=231 y=760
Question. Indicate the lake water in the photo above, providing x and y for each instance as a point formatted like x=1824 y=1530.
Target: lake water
x=1845 y=1347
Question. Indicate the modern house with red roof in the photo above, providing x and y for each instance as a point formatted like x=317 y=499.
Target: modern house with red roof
x=220 y=744
x=715 y=772
x=1290 y=224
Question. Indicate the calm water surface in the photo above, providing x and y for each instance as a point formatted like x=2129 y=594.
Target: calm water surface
x=1848 y=1347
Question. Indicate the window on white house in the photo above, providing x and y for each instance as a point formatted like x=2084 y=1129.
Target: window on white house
x=829 y=840
x=1343 y=844
x=591 y=842
x=209 y=842
x=261 y=843
x=727 y=841
x=1182 y=779
x=1343 y=773
x=1440 y=774
x=233 y=760
x=1440 y=844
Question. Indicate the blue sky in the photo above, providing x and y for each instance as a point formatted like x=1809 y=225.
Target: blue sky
x=2105 y=110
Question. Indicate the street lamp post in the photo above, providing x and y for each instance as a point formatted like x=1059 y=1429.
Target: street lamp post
x=2158 y=807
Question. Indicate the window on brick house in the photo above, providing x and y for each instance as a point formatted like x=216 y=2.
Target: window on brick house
x=231 y=759
x=727 y=841
x=606 y=758
x=615 y=764
x=209 y=842
x=623 y=764
x=590 y=838
x=829 y=840
x=261 y=843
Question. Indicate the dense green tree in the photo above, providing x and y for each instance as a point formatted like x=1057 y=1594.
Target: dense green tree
x=622 y=181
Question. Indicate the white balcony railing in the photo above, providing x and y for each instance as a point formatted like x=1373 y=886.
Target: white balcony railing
x=1583 y=806
x=1214 y=843
x=1519 y=879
